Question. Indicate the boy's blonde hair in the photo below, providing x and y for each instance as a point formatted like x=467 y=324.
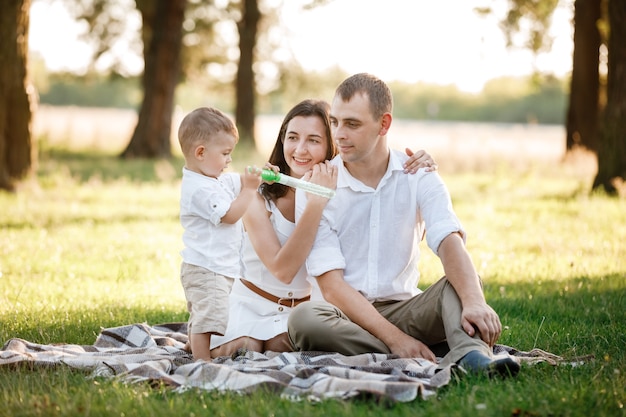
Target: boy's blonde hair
x=200 y=125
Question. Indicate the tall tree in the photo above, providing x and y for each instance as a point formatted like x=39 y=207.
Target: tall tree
x=584 y=109
x=245 y=86
x=165 y=53
x=17 y=149
x=200 y=47
x=163 y=31
x=612 y=144
x=603 y=131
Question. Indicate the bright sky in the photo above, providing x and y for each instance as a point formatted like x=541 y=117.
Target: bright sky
x=441 y=41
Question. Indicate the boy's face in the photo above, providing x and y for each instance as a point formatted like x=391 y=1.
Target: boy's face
x=212 y=158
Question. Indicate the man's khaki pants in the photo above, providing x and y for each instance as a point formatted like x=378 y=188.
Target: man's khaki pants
x=432 y=317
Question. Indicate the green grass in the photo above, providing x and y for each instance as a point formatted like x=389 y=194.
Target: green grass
x=95 y=241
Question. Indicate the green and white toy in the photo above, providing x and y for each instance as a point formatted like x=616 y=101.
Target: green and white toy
x=269 y=175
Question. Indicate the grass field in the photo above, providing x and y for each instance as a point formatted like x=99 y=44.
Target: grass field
x=94 y=243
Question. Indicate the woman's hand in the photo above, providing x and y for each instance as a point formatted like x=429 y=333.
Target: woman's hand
x=418 y=160
x=324 y=174
x=271 y=167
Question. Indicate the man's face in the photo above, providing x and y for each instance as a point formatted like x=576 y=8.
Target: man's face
x=354 y=130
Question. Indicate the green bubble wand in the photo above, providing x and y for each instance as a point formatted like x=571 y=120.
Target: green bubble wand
x=269 y=175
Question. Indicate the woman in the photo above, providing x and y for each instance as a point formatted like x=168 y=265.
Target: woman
x=275 y=247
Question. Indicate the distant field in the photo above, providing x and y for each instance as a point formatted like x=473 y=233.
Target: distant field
x=457 y=146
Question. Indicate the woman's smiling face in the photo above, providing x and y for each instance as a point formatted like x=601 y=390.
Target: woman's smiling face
x=305 y=144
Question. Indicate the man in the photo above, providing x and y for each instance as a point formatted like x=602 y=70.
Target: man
x=366 y=253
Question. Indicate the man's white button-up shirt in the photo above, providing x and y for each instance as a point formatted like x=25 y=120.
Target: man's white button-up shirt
x=374 y=234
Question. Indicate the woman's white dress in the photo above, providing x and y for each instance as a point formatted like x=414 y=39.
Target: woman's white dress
x=250 y=314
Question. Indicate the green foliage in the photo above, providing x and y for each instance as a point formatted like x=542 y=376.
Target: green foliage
x=537 y=99
x=503 y=100
x=89 y=247
x=90 y=91
x=534 y=17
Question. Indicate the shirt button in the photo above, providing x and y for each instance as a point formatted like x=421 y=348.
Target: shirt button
x=289 y=294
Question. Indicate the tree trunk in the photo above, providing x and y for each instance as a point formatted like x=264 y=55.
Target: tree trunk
x=612 y=144
x=582 y=115
x=17 y=150
x=151 y=138
x=245 y=83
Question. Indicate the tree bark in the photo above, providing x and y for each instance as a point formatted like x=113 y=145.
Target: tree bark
x=17 y=150
x=245 y=83
x=612 y=145
x=163 y=25
x=583 y=111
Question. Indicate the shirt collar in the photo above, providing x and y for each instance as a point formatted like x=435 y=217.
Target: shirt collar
x=395 y=163
x=346 y=180
x=197 y=176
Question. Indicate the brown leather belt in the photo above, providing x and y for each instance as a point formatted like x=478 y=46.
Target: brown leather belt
x=288 y=302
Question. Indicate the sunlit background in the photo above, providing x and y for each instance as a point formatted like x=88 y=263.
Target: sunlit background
x=444 y=42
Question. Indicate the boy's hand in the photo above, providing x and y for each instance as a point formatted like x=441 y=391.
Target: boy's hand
x=271 y=167
x=251 y=178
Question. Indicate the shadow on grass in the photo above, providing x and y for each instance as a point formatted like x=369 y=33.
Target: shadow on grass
x=575 y=317
x=580 y=316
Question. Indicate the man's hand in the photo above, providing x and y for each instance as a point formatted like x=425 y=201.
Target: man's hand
x=406 y=346
x=477 y=315
x=483 y=318
x=339 y=293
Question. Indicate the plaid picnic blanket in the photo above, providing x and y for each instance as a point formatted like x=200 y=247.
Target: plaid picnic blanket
x=139 y=352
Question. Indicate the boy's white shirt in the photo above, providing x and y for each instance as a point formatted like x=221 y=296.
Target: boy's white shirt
x=209 y=243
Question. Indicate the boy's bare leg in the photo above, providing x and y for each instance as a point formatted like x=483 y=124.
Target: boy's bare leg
x=200 y=346
x=227 y=349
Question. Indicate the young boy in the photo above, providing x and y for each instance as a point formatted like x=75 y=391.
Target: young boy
x=211 y=206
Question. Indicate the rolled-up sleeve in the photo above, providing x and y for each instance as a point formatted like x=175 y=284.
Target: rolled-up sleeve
x=326 y=254
x=437 y=212
x=212 y=206
x=215 y=203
